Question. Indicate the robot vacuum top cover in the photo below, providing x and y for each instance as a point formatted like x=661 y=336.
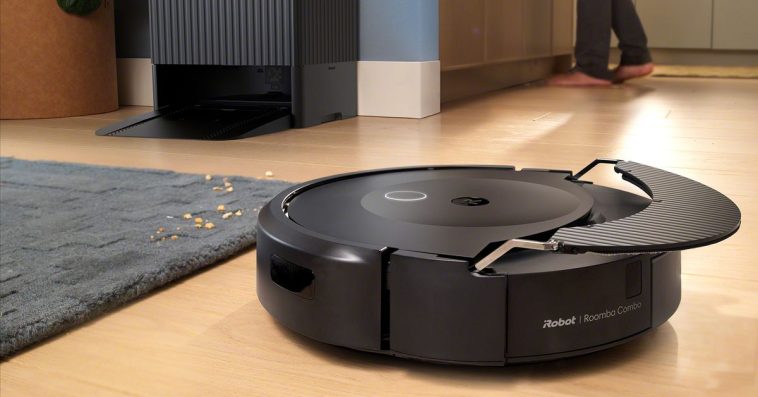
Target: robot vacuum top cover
x=447 y=211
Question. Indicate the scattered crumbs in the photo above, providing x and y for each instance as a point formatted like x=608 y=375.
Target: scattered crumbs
x=269 y=174
x=187 y=216
x=227 y=184
x=227 y=215
x=198 y=226
x=198 y=220
x=218 y=188
x=161 y=230
x=221 y=208
x=208 y=177
x=210 y=226
x=169 y=217
x=238 y=213
x=230 y=189
x=175 y=237
x=152 y=237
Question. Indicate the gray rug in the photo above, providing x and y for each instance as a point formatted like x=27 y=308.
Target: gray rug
x=75 y=240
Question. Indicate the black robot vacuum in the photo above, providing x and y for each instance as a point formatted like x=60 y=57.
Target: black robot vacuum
x=482 y=265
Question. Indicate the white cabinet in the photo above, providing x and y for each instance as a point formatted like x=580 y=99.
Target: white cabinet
x=678 y=23
x=735 y=24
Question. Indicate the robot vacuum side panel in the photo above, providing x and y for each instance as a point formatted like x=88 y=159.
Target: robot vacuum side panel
x=666 y=271
x=564 y=311
x=328 y=292
x=441 y=311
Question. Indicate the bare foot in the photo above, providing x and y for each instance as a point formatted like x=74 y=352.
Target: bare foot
x=624 y=73
x=576 y=79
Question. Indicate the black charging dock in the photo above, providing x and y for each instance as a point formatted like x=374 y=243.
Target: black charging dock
x=241 y=68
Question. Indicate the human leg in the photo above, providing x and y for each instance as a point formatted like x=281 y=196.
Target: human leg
x=593 y=38
x=635 y=55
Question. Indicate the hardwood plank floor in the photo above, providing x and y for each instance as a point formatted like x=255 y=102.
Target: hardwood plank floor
x=208 y=335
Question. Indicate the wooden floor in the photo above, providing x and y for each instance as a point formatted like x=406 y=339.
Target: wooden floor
x=208 y=335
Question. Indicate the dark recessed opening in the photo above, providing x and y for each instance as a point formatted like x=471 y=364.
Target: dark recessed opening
x=292 y=277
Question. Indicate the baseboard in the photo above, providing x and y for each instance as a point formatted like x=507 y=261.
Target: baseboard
x=398 y=89
x=463 y=83
x=135 y=81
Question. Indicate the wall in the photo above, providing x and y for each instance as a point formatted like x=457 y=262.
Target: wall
x=399 y=68
x=135 y=72
x=399 y=30
x=132 y=29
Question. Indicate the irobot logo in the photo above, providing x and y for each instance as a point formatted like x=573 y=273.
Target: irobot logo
x=559 y=322
x=470 y=201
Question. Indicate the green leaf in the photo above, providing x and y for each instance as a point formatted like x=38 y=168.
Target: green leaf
x=79 y=7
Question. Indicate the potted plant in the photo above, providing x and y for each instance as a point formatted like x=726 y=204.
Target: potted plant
x=57 y=58
x=79 y=7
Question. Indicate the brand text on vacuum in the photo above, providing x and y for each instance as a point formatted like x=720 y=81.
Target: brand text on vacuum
x=559 y=322
x=591 y=317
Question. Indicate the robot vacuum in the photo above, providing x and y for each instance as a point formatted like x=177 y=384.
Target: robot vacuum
x=482 y=265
